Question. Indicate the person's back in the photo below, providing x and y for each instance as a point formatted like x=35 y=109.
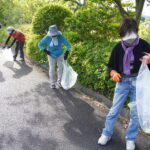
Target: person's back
x=18 y=35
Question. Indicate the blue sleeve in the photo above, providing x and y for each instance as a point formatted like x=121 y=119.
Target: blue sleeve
x=42 y=43
x=66 y=43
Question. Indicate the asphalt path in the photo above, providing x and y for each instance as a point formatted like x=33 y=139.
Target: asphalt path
x=35 y=117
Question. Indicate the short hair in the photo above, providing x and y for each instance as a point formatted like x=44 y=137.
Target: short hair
x=128 y=25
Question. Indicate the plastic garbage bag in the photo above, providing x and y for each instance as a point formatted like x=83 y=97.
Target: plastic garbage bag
x=8 y=54
x=143 y=97
x=69 y=76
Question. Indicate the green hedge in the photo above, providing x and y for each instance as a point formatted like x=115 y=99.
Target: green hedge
x=33 y=51
x=3 y=35
x=145 y=32
x=49 y=15
x=90 y=61
x=92 y=22
x=87 y=58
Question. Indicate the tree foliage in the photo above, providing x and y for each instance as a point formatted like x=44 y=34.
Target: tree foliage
x=49 y=15
x=94 y=22
x=30 y=7
x=139 y=4
x=90 y=61
x=21 y=11
x=5 y=9
x=125 y=7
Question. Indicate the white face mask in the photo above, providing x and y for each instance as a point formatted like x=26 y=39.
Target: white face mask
x=130 y=36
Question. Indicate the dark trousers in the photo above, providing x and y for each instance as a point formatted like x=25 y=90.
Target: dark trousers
x=19 y=46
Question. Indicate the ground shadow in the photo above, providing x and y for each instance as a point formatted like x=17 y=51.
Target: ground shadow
x=83 y=127
x=9 y=64
x=23 y=71
x=1 y=77
x=26 y=140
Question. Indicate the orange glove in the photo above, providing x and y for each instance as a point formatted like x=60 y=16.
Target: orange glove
x=148 y=58
x=115 y=76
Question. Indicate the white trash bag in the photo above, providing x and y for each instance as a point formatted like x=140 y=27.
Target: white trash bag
x=8 y=54
x=69 y=76
x=143 y=97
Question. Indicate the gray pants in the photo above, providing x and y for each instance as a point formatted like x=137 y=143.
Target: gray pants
x=19 y=46
x=52 y=69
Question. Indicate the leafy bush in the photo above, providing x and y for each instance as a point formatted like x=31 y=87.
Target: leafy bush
x=90 y=61
x=3 y=35
x=145 y=32
x=33 y=51
x=72 y=36
x=93 y=22
x=26 y=29
x=49 y=15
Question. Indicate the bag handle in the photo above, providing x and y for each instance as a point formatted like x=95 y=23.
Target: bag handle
x=66 y=63
x=143 y=67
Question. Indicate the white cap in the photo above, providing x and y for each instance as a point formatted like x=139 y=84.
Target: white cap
x=10 y=29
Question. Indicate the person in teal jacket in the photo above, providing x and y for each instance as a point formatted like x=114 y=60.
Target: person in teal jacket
x=51 y=44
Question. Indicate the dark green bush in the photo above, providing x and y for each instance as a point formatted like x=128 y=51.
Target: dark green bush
x=90 y=61
x=49 y=15
x=93 y=23
x=144 y=32
x=3 y=35
x=33 y=51
x=72 y=36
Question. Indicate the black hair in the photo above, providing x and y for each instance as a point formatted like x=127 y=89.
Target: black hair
x=128 y=25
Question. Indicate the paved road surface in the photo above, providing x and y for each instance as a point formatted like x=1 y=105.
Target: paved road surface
x=35 y=117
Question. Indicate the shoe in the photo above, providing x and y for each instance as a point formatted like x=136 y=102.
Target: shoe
x=103 y=139
x=22 y=59
x=53 y=86
x=14 y=58
x=130 y=145
x=59 y=85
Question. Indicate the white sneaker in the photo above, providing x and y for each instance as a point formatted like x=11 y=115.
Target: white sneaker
x=103 y=139
x=130 y=145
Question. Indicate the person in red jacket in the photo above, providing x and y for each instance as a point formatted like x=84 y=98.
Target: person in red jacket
x=19 y=38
